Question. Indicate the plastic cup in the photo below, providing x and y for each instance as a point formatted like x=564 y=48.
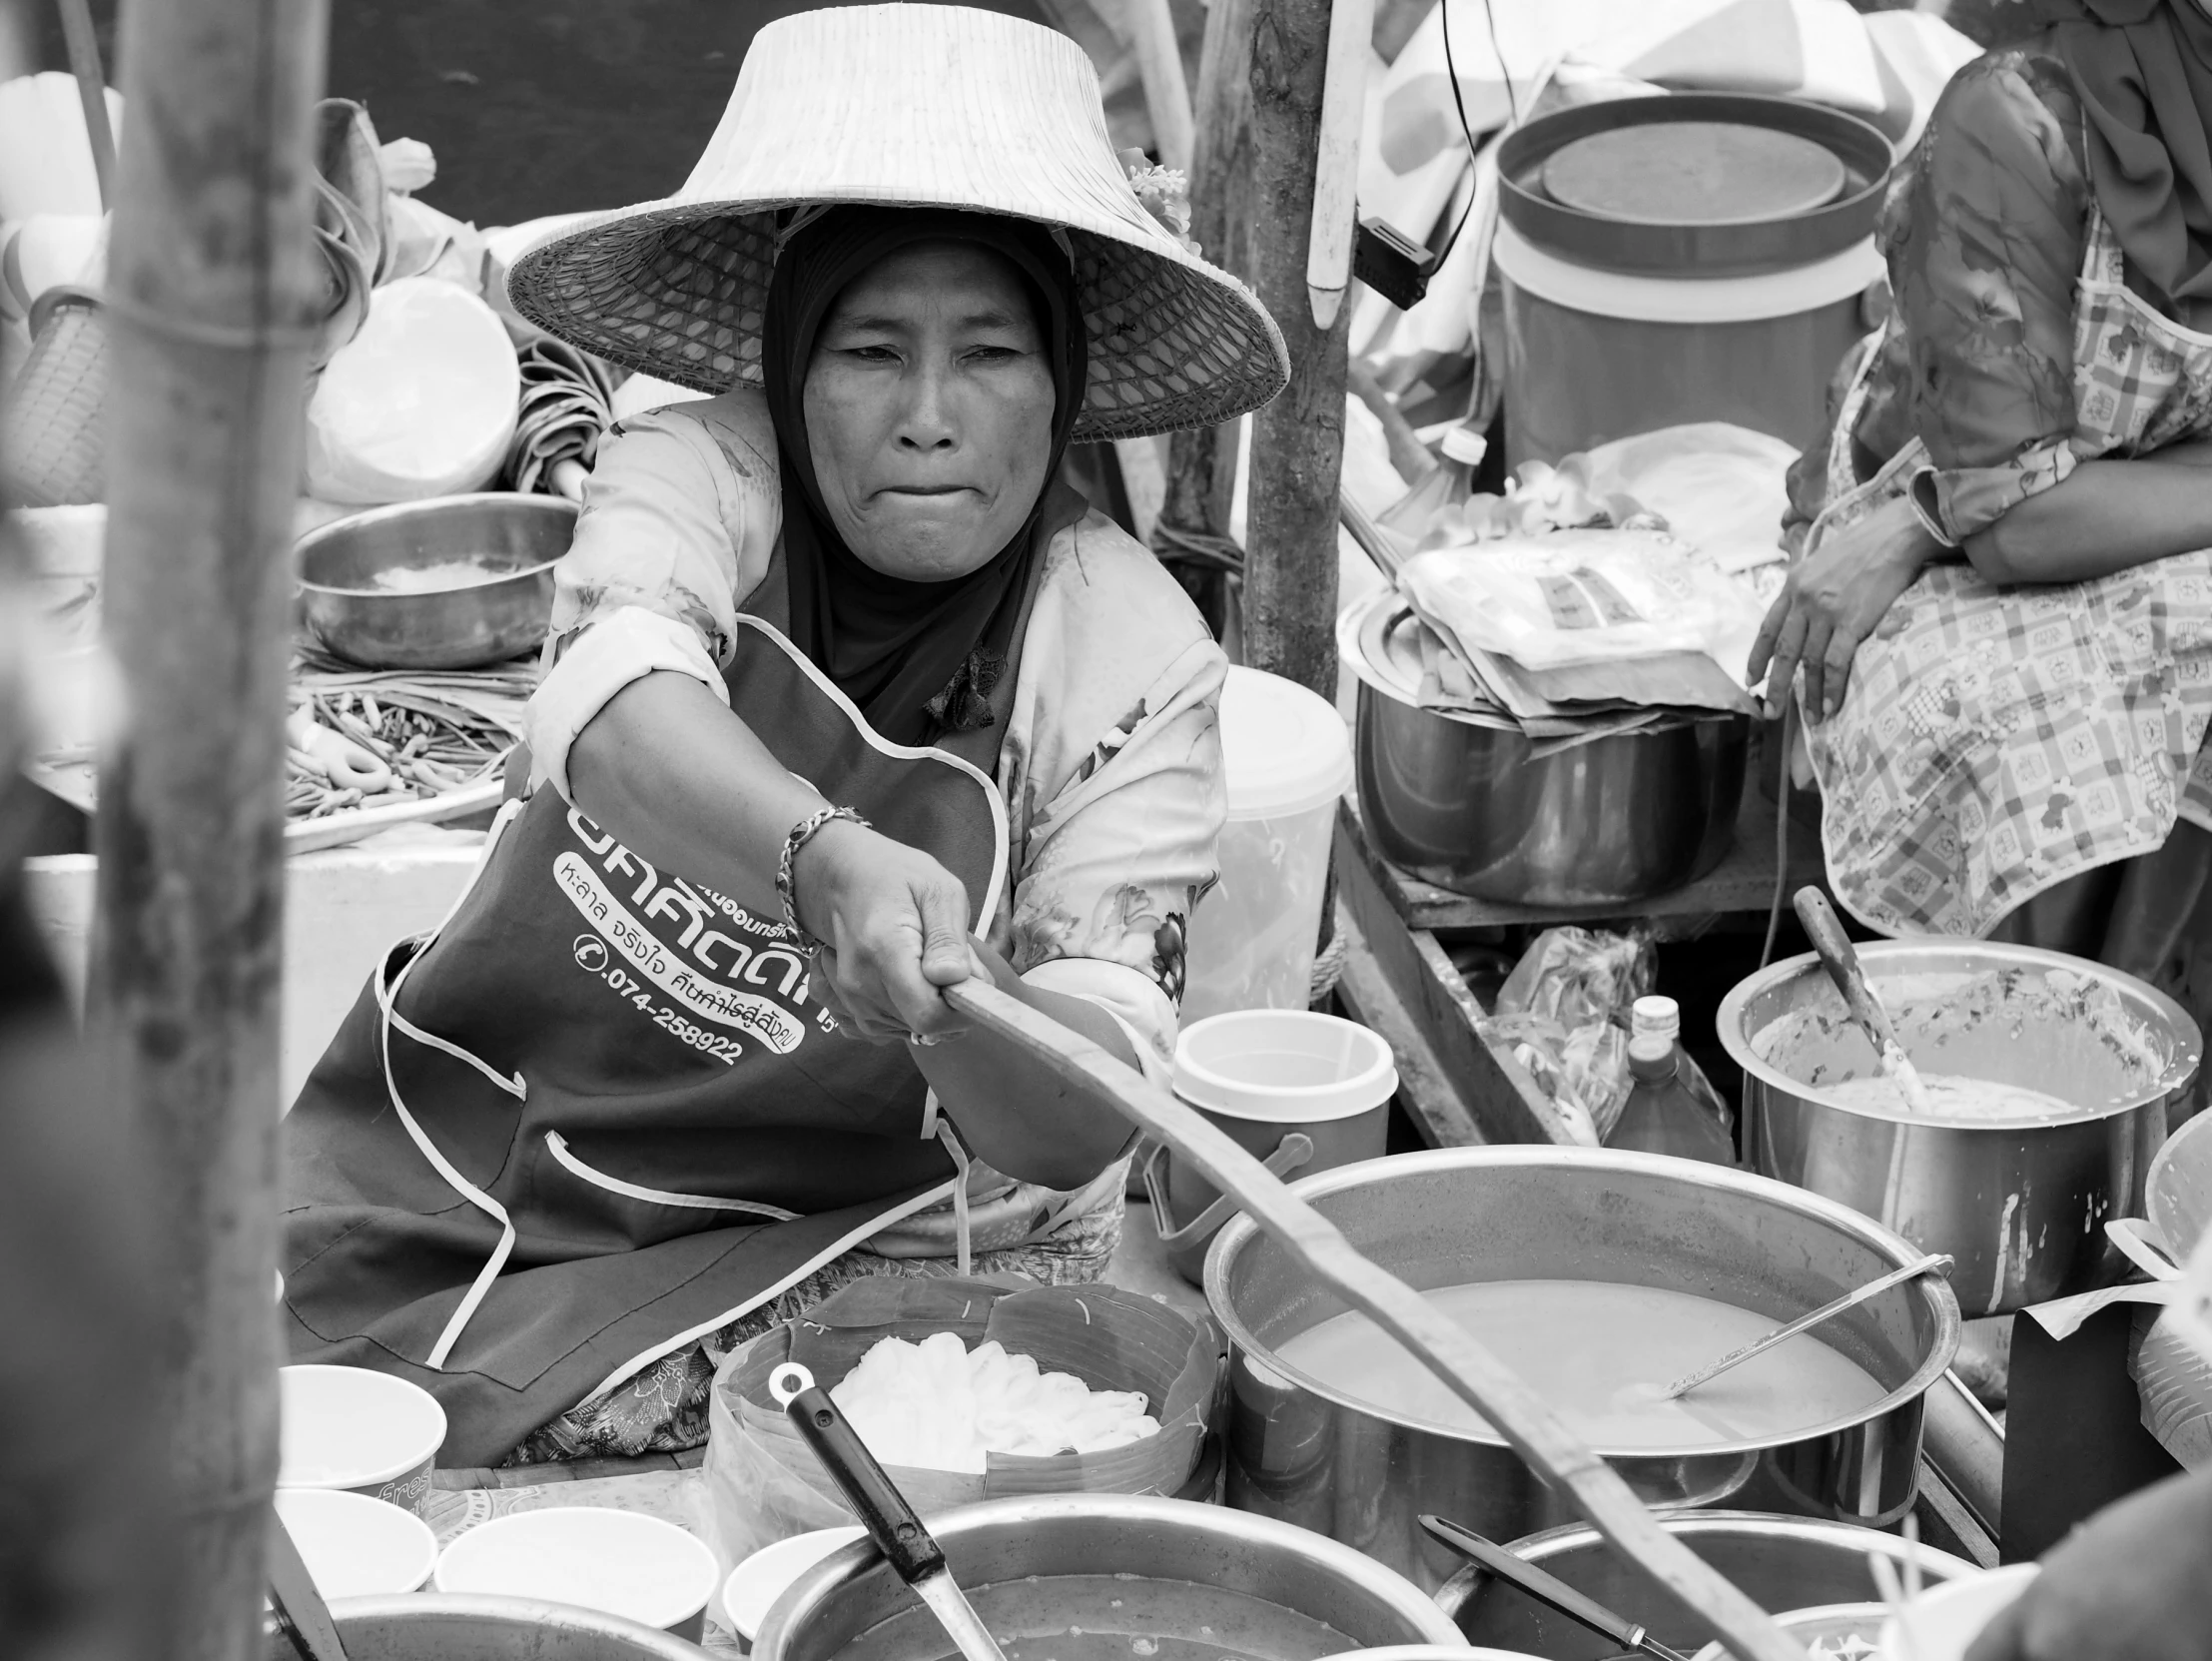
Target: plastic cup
x=1287 y=760
x=1944 y=1620
x=365 y=1432
x=755 y=1584
x=355 y=1546
x=1262 y=1075
x=617 y=1562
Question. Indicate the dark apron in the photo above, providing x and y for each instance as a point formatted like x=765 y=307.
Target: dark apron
x=595 y=1116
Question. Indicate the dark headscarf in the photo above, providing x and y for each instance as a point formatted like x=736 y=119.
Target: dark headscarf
x=917 y=658
x=2144 y=71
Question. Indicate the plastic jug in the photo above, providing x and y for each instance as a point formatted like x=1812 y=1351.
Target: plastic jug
x=1288 y=759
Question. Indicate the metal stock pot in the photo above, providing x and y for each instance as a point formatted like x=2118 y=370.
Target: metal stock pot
x=2021 y=1207
x=1308 y=1454
x=1469 y=803
x=1272 y=1583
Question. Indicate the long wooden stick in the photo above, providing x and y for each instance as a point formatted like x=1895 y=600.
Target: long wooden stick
x=91 y=91
x=211 y=279
x=1444 y=1347
x=1167 y=90
x=1328 y=261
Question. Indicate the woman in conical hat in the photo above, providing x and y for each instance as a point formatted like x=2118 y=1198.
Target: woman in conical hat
x=847 y=702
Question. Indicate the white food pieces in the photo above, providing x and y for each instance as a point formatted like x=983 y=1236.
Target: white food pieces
x=940 y=1406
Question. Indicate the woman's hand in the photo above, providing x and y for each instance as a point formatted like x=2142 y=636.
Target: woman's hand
x=1833 y=600
x=895 y=924
x=2134 y=1583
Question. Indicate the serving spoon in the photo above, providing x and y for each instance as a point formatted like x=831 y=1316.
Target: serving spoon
x=898 y=1534
x=1547 y=1588
x=1805 y=1324
x=1837 y=957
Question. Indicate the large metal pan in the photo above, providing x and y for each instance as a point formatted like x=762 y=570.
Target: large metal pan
x=344 y=565
x=1308 y=1454
x=2021 y=1207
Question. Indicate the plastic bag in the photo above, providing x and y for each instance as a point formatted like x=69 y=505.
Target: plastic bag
x=1583 y=596
x=1566 y=1009
x=764 y=1485
x=1567 y=1003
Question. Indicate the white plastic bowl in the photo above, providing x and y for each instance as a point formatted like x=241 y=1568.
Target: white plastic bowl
x=1944 y=1620
x=355 y=1546
x=617 y=1562
x=349 y=1427
x=755 y=1584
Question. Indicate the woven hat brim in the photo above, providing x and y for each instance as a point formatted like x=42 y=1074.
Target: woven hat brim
x=677 y=290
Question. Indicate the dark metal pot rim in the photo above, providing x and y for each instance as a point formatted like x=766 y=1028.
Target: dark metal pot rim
x=1933 y=1289
x=2188 y=1042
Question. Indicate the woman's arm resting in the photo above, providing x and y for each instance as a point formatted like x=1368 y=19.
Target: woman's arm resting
x=2102 y=517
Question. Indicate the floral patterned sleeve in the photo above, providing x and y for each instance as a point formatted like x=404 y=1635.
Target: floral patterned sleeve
x=1984 y=269
x=1112 y=773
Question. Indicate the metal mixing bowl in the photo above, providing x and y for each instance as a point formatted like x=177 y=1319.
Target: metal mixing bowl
x=1140 y=1537
x=1463 y=802
x=1778 y=1562
x=2021 y=1207
x=456 y=1627
x=341 y=607
x=1312 y=1455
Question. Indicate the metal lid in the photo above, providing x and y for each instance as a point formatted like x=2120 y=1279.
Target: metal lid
x=1694 y=173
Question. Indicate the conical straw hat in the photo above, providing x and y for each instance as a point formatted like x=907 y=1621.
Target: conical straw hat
x=911 y=106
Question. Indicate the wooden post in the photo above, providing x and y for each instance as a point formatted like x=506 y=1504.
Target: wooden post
x=1201 y=463
x=210 y=284
x=1298 y=440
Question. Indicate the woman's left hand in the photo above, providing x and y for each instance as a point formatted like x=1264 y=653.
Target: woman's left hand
x=1833 y=600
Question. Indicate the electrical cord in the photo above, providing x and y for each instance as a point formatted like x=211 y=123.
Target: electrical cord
x=1459 y=102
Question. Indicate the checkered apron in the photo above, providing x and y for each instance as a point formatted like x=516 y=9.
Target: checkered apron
x=1995 y=742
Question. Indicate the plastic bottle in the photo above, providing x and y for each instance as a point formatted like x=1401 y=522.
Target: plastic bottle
x=1665 y=1112
x=1432 y=512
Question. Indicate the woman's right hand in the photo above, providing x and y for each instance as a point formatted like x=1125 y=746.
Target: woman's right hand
x=895 y=928
x=1833 y=600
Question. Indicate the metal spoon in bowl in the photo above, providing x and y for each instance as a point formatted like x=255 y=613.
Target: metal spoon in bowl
x=1549 y=1589
x=1849 y=975
x=1805 y=1324
x=906 y=1545
x=301 y=1611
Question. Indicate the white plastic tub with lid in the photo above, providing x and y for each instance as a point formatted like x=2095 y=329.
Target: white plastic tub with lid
x=1287 y=758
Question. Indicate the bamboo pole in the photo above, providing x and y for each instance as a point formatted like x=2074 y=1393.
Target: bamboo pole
x=1298 y=440
x=1201 y=462
x=1328 y=271
x=1166 y=93
x=209 y=286
x=84 y=63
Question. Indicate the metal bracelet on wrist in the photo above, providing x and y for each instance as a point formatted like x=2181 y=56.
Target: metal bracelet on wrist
x=801 y=834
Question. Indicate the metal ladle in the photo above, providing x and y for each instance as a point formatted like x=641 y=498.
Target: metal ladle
x=1805 y=1324
x=1548 y=1589
x=906 y=1545
x=1826 y=931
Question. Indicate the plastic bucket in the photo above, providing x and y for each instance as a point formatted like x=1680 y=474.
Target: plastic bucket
x=617 y=1562
x=355 y=1546
x=367 y=1432
x=1593 y=355
x=1263 y=1075
x=1287 y=759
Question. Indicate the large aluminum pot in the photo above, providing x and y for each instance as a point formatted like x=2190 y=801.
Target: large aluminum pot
x=456 y=1626
x=343 y=606
x=1778 y=1562
x=1000 y=1552
x=1465 y=802
x=2021 y=1207
x=1308 y=1454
